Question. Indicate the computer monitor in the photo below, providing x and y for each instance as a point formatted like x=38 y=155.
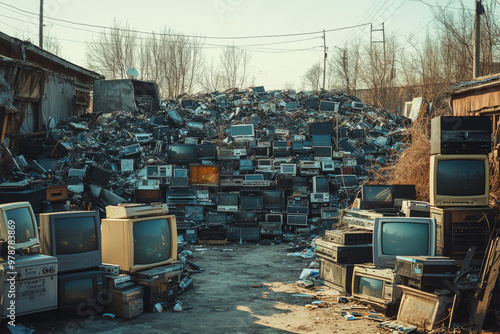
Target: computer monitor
x=251 y=202
x=227 y=201
x=322 y=153
x=74 y=237
x=206 y=151
x=328 y=106
x=459 y=180
x=400 y=236
x=300 y=220
x=242 y=130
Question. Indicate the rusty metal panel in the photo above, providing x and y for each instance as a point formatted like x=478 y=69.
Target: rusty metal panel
x=422 y=309
x=478 y=100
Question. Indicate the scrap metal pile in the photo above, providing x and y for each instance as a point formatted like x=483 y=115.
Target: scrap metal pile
x=102 y=158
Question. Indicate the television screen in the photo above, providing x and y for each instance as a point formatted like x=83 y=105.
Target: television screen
x=369 y=286
x=346 y=180
x=322 y=151
x=327 y=106
x=459 y=180
x=246 y=164
x=204 y=175
x=247 y=218
x=320 y=185
x=460 y=177
x=376 y=196
x=77 y=290
x=216 y=218
x=273 y=199
x=181 y=153
x=296 y=219
x=252 y=203
x=206 y=151
x=244 y=130
x=402 y=236
x=227 y=199
x=193 y=212
x=151 y=241
x=322 y=140
x=73 y=237
x=274 y=218
x=19 y=216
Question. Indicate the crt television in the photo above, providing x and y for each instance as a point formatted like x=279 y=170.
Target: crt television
x=274 y=199
x=247 y=218
x=204 y=175
x=242 y=130
x=459 y=180
x=19 y=218
x=400 y=236
x=181 y=153
x=137 y=244
x=73 y=237
x=80 y=291
x=376 y=196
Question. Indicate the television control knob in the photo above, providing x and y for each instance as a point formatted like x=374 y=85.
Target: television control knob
x=45 y=270
x=52 y=269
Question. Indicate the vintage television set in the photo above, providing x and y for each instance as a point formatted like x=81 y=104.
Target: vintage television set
x=243 y=132
x=246 y=165
x=323 y=153
x=400 y=236
x=194 y=212
x=206 y=151
x=328 y=106
x=227 y=201
x=181 y=153
x=300 y=209
x=217 y=218
x=274 y=199
x=259 y=151
x=321 y=140
x=137 y=244
x=280 y=145
x=376 y=196
x=459 y=180
x=81 y=290
x=320 y=184
x=288 y=169
x=274 y=218
x=346 y=181
x=21 y=216
x=297 y=220
x=250 y=202
x=377 y=286
x=204 y=175
x=247 y=218
x=265 y=164
x=73 y=237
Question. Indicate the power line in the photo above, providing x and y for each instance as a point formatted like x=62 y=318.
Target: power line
x=181 y=35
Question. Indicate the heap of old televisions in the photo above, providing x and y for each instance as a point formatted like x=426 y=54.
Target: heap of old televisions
x=257 y=189
x=411 y=246
x=76 y=263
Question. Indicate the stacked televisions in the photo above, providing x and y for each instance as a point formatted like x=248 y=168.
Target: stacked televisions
x=459 y=184
x=35 y=288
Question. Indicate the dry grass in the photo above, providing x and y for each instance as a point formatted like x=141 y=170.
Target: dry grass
x=412 y=165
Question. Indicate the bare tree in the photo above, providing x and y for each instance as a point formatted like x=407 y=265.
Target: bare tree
x=235 y=64
x=344 y=67
x=113 y=51
x=312 y=77
x=212 y=78
x=51 y=44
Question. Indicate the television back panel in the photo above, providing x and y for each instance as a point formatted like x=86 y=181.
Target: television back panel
x=461 y=135
x=345 y=254
x=349 y=237
x=336 y=275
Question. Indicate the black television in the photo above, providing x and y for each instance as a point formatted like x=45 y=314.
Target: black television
x=82 y=292
x=162 y=133
x=73 y=237
x=321 y=128
x=206 y=151
x=274 y=199
x=247 y=218
x=251 y=202
x=181 y=153
x=376 y=196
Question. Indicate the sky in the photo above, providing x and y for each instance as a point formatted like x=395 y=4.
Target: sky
x=285 y=38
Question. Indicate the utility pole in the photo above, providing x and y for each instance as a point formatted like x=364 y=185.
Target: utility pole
x=378 y=41
x=324 y=59
x=40 y=28
x=477 y=38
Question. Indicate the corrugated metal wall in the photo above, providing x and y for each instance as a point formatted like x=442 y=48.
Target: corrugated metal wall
x=58 y=100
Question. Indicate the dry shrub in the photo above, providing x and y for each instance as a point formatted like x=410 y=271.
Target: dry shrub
x=412 y=165
x=494 y=181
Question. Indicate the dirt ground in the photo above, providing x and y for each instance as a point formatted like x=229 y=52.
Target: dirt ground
x=247 y=288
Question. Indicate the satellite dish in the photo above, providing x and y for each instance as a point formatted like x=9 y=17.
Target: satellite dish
x=132 y=73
